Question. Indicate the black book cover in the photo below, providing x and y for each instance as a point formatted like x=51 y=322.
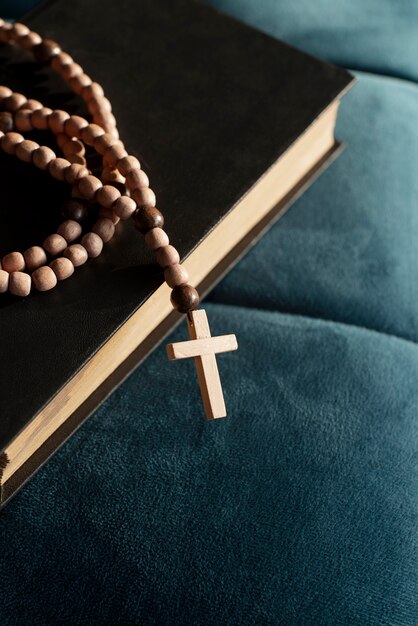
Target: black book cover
x=206 y=103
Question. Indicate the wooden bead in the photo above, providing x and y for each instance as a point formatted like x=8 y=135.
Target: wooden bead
x=62 y=140
x=74 y=146
x=23 y=120
x=40 y=118
x=90 y=133
x=93 y=244
x=32 y=105
x=166 y=256
x=114 y=154
x=19 y=30
x=5 y=92
x=77 y=254
x=99 y=105
x=156 y=238
x=70 y=230
x=43 y=156
x=74 y=172
x=77 y=83
x=77 y=159
x=103 y=142
x=14 y=102
x=55 y=244
x=136 y=178
x=94 y=90
x=127 y=164
x=25 y=150
x=109 y=214
x=6 y=122
x=74 y=125
x=124 y=207
x=62 y=268
x=31 y=40
x=4 y=281
x=176 y=275
x=107 y=196
x=34 y=257
x=10 y=141
x=105 y=229
x=89 y=186
x=57 y=168
x=57 y=120
x=184 y=298
x=144 y=197
x=20 y=284
x=147 y=218
x=112 y=176
x=44 y=278
x=70 y=70
x=13 y=262
x=45 y=51
x=61 y=59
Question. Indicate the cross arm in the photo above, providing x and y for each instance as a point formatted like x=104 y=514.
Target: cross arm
x=199 y=347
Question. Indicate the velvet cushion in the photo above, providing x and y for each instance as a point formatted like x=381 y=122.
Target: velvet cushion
x=301 y=507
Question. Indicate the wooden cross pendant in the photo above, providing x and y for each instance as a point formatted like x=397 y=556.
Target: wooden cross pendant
x=203 y=348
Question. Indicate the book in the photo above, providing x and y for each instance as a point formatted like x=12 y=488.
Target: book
x=230 y=125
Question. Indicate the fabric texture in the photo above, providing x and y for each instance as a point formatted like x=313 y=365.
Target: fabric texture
x=301 y=507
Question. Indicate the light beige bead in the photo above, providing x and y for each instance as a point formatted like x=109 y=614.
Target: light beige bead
x=90 y=133
x=124 y=207
x=176 y=275
x=103 y=142
x=70 y=230
x=93 y=244
x=74 y=125
x=77 y=254
x=13 y=262
x=74 y=146
x=144 y=197
x=103 y=212
x=57 y=168
x=20 y=284
x=55 y=244
x=44 y=278
x=99 y=105
x=4 y=281
x=35 y=257
x=25 y=150
x=62 y=268
x=42 y=157
x=156 y=238
x=74 y=172
x=5 y=92
x=23 y=120
x=19 y=30
x=135 y=179
x=92 y=91
x=167 y=255
x=105 y=228
x=14 y=102
x=40 y=118
x=89 y=186
x=77 y=159
x=127 y=164
x=111 y=175
x=57 y=120
x=10 y=141
x=31 y=40
x=114 y=154
x=107 y=196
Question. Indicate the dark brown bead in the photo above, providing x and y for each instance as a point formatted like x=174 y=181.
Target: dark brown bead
x=6 y=122
x=46 y=50
x=146 y=218
x=184 y=298
x=75 y=209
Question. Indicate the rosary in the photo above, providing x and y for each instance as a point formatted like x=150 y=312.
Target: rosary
x=121 y=190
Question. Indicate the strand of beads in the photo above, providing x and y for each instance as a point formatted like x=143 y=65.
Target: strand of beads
x=72 y=133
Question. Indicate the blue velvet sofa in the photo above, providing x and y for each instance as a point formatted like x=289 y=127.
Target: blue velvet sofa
x=301 y=507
